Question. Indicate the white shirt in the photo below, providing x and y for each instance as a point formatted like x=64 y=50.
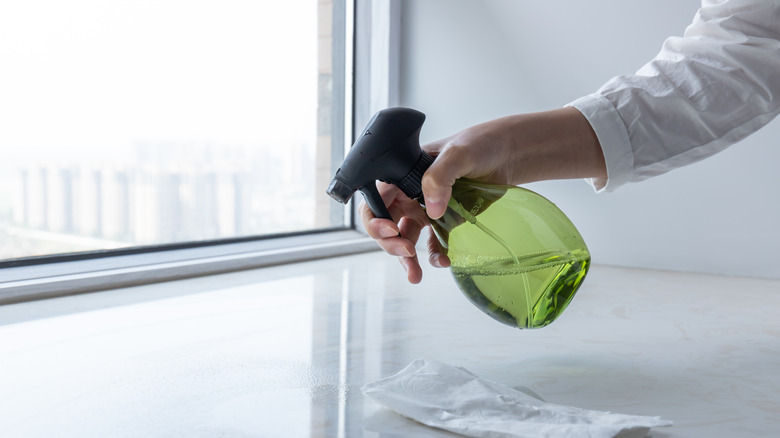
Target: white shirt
x=703 y=92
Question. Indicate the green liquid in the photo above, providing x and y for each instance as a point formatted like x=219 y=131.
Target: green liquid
x=513 y=253
x=529 y=294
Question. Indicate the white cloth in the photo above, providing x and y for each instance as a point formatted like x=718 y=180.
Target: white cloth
x=453 y=399
x=703 y=92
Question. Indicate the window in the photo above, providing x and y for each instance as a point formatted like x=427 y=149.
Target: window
x=131 y=124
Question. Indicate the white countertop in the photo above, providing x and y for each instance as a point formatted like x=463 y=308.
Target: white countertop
x=283 y=352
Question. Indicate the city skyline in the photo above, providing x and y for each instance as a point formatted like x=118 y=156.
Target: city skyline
x=144 y=123
x=152 y=199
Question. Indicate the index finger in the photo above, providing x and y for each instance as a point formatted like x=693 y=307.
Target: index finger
x=377 y=228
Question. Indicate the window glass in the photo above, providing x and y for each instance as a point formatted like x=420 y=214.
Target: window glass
x=133 y=123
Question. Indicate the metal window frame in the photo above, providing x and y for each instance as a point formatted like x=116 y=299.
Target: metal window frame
x=370 y=83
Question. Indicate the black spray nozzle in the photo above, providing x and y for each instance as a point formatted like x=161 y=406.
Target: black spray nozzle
x=388 y=150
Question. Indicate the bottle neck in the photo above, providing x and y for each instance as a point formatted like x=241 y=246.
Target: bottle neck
x=411 y=184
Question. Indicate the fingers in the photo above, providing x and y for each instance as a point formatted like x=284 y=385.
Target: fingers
x=413 y=269
x=451 y=163
x=386 y=233
x=397 y=238
x=436 y=255
x=377 y=228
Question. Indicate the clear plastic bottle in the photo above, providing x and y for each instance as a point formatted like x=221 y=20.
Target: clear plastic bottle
x=513 y=253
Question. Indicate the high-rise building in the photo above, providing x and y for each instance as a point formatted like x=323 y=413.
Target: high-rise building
x=21 y=197
x=115 y=204
x=37 y=198
x=59 y=199
x=88 y=202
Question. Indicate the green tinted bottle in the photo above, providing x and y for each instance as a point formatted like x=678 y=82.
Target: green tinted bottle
x=514 y=254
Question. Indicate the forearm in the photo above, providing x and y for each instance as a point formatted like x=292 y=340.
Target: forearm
x=557 y=144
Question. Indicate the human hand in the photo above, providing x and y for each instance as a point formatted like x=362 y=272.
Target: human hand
x=399 y=236
x=511 y=150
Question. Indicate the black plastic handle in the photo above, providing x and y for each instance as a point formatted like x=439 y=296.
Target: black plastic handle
x=388 y=150
x=375 y=202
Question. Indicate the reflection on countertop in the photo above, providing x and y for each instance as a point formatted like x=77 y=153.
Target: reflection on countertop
x=283 y=352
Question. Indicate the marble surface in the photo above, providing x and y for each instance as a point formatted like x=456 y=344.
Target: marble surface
x=283 y=352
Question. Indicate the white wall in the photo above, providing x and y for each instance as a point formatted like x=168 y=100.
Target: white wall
x=466 y=61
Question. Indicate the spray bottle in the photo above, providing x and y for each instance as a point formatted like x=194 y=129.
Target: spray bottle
x=513 y=253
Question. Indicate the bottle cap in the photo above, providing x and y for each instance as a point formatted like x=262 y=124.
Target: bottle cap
x=388 y=150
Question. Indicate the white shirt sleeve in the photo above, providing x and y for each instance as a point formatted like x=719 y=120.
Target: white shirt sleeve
x=703 y=92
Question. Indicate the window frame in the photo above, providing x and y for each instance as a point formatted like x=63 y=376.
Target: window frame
x=370 y=78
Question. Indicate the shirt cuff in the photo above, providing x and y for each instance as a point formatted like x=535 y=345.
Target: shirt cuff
x=613 y=137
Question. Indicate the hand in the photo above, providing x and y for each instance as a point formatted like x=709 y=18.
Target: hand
x=511 y=150
x=399 y=236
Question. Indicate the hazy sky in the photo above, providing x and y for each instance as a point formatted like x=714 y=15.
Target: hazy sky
x=84 y=76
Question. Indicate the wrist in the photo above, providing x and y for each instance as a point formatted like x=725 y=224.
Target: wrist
x=557 y=144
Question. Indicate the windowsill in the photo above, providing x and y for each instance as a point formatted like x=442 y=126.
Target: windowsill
x=68 y=278
x=284 y=351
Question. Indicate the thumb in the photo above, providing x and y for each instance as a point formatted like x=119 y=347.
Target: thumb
x=438 y=180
